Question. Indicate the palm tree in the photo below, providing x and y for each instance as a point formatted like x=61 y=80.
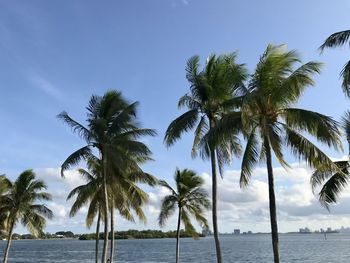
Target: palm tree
x=125 y=195
x=213 y=91
x=5 y=185
x=335 y=40
x=191 y=200
x=112 y=129
x=333 y=182
x=20 y=204
x=271 y=121
x=92 y=193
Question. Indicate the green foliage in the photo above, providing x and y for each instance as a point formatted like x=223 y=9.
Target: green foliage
x=18 y=203
x=213 y=91
x=268 y=113
x=333 y=181
x=188 y=196
x=139 y=234
x=335 y=40
x=112 y=131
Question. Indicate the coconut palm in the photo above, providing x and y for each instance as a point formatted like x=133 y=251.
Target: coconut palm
x=20 y=204
x=335 y=40
x=190 y=199
x=213 y=91
x=113 y=131
x=333 y=182
x=270 y=121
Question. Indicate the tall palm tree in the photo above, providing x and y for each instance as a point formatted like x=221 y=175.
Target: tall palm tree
x=333 y=182
x=270 y=121
x=213 y=91
x=20 y=204
x=113 y=131
x=335 y=40
x=190 y=199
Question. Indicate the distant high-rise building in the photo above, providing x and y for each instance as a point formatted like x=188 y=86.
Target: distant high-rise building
x=236 y=231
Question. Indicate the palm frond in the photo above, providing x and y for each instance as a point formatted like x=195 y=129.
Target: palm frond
x=322 y=127
x=331 y=190
x=335 y=40
x=76 y=126
x=345 y=75
x=73 y=159
x=304 y=149
x=250 y=158
x=184 y=123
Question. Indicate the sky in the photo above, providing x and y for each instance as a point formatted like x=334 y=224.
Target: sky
x=55 y=54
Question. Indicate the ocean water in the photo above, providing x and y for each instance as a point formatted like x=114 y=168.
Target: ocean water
x=244 y=248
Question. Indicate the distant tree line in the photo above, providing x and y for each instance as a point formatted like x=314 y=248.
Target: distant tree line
x=138 y=234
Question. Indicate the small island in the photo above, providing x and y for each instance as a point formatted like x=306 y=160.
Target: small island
x=128 y=234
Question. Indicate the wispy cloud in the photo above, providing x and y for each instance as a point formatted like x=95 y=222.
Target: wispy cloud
x=45 y=86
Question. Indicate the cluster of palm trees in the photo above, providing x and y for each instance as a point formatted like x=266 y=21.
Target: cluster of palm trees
x=224 y=106
x=113 y=154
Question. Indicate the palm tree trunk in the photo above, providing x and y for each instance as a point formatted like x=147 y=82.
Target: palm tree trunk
x=105 y=211
x=214 y=200
x=272 y=199
x=178 y=237
x=9 y=239
x=112 y=232
x=97 y=236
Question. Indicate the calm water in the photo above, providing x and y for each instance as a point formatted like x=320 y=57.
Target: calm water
x=248 y=248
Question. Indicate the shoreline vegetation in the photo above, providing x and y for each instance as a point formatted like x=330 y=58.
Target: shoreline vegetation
x=146 y=234
x=127 y=234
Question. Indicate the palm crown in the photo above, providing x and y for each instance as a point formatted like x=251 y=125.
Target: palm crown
x=213 y=91
x=111 y=128
x=268 y=115
x=189 y=197
x=20 y=203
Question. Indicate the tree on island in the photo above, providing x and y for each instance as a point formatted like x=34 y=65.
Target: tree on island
x=19 y=204
x=190 y=199
x=270 y=121
x=113 y=131
x=213 y=91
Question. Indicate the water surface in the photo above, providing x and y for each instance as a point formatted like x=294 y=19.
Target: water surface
x=308 y=248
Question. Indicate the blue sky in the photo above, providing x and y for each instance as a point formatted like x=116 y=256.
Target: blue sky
x=55 y=54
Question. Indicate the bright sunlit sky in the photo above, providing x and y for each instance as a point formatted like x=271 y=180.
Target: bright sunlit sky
x=55 y=54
